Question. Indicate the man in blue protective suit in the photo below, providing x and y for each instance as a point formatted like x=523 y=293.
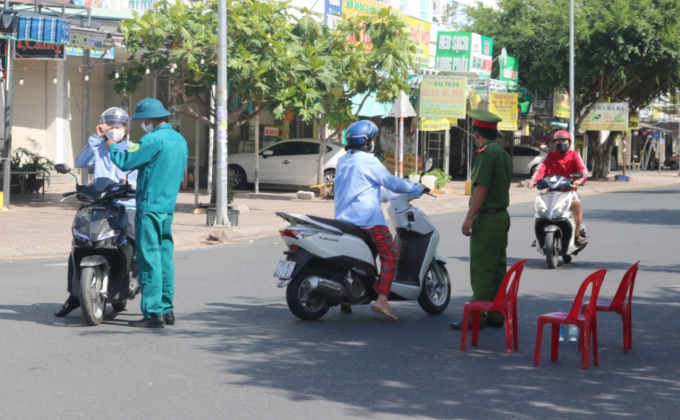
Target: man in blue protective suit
x=358 y=178
x=160 y=157
x=113 y=126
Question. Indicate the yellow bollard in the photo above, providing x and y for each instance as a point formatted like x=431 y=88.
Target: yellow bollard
x=468 y=187
x=2 y=200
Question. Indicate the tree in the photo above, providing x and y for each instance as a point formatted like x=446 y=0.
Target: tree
x=624 y=51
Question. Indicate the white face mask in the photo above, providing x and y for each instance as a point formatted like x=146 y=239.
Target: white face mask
x=115 y=134
x=147 y=127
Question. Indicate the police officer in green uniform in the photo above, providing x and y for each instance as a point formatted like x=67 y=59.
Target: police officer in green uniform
x=487 y=222
x=160 y=157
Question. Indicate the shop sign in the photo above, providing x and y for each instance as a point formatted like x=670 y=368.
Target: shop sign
x=333 y=13
x=510 y=72
x=443 y=97
x=420 y=34
x=607 y=116
x=353 y=8
x=272 y=131
x=79 y=52
x=561 y=104
x=409 y=162
x=505 y=106
x=39 y=51
x=437 y=125
x=463 y=52
x=633 y=121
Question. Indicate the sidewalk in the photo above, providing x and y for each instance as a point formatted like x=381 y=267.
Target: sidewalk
x=34 y=227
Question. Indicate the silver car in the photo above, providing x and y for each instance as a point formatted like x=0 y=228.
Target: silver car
x=525 y=159
x=288 y=162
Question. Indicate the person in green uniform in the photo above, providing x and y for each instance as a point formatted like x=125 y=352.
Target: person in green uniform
x=160 y=157
x=487 y=221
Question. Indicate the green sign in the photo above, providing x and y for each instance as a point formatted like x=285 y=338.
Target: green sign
x=464 y=52
x=510 y=72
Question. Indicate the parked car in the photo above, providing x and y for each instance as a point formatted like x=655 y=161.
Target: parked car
x=525 y=159
x=289 y=162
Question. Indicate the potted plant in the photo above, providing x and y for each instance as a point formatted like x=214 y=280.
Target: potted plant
x=26 y=160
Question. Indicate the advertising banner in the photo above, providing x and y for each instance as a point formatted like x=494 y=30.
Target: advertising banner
x=463 y=52
x=39 y=51
x=505 y=106
x=633 y=121
x=333 y=12
x=437 y=125
x=109 y=54
x=420 y=34
x=561 y=104
x=510 y=72
x=409 y=162
x=443 y=97
x=353 y=8
x=607 y=116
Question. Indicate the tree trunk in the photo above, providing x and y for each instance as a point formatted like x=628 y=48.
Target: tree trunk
x=322 y=157
x=601 y=152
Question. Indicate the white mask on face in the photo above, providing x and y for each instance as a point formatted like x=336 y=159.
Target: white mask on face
x=115 y=134
x=147 y=127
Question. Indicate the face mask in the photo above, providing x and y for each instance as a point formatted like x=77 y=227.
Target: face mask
x=115 y=134
x=562 y=147
x=147 y=127
x=370 y=147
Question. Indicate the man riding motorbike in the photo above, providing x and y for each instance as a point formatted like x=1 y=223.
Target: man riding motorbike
x=564 y=162
x=113 y=126
x=358 y=178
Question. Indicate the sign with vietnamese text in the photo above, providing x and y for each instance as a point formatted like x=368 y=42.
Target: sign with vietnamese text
x=607 y=116
x=510 y=72
x=464 y=52
x=419 y=31
x=633 y=121
x=561 y=104
x=333 y=13
x=443 y=97
x=409 y=162
x=109 y=54
x=505 y=106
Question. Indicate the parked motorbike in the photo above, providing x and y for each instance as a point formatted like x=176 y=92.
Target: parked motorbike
x=554 y=222
x=101 y=261
x=330 y=262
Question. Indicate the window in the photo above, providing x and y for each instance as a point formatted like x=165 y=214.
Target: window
x=425 y=9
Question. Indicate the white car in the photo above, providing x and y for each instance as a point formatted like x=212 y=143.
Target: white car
x=288 y=162
x=525 y=159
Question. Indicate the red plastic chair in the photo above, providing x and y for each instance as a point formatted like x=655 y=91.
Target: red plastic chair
x=505 y=303
x=621 y=305
x=586 y=322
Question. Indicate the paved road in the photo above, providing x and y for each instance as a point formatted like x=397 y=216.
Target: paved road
x=237 y=352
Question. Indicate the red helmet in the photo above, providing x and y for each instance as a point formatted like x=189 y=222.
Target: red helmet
x=562 y=134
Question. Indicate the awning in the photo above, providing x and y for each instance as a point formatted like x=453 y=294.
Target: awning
x=42 y=29
x=371 y=107
x=654 y=128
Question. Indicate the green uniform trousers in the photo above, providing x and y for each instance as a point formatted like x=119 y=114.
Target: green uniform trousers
x=156 y=270
x=488 y=262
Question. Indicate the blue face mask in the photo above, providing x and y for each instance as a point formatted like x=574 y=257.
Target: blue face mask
x=562 y=147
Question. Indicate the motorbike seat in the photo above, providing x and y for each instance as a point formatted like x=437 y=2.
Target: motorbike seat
x=349 y=229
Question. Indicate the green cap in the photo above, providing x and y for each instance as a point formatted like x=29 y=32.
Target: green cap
x=150 y=108
x=485 y=119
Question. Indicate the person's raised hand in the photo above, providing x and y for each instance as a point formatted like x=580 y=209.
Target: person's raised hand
x=100 y=130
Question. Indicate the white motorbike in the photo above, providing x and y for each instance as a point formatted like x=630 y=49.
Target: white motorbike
x=554 y=222
x=329 y=262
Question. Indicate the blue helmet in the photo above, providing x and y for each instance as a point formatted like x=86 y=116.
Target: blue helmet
x=360 y=132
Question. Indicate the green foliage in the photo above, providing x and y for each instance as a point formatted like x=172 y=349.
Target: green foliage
x=30 y=160
x=442 y=178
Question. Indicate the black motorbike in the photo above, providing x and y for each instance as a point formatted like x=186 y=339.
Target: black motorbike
x=101 y=265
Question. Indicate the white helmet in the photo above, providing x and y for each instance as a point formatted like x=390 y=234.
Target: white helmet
x=114 y=117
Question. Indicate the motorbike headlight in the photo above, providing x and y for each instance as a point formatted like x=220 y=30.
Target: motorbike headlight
x=80 y=237
x=540 y=208
x=560 y=210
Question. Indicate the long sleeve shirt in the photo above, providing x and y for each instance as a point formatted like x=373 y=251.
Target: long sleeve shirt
x=556 y=163
x=95 y=154
x=358 y=178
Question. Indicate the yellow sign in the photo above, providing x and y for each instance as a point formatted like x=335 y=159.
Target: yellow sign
x=505 y=106
x=353 y=8
x=442 y=97
x=633 y=121
x=656 y=114
x=409 y=162
x=561 y=105
x=437 y=125
x=474 y=98
x=607 y=116
x=420 y=34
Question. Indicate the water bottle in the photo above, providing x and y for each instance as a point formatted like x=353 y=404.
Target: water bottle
x=561 y=329
x=573 y=333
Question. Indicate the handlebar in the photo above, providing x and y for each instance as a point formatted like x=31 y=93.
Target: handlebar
x=68 y=194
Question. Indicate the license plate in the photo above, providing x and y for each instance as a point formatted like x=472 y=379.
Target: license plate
x=284 y=270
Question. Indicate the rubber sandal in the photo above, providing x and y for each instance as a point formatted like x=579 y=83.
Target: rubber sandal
x=580 y=240
x=388 y=314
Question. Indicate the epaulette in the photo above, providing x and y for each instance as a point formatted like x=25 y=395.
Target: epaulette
x=481 y=149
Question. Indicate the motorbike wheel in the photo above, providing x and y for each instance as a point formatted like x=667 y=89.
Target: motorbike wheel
x=91 y=301
x=551 y=247
x=304 y=305
x=436 y=292
x=566 y=259
x=120 y=306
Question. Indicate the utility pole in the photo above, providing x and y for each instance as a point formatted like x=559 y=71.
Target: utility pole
x=6 y=152
x=222 y=178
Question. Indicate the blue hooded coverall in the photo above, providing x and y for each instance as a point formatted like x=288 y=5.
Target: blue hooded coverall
x=160 y=157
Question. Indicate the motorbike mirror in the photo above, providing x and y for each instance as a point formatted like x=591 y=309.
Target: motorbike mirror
x=62 y=168
x=577 y=175
x=428 y=165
